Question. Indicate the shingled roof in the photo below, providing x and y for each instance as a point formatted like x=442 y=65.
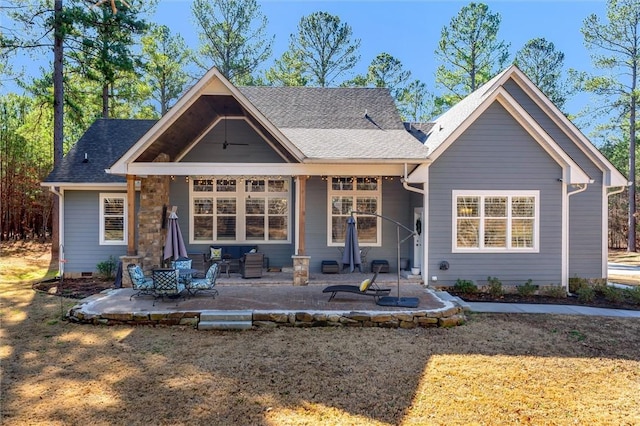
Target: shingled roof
x=103 y=143
x=337 y=123
x=324 y=124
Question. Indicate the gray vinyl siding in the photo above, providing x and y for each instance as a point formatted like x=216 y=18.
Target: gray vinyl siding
x=279 y=253
x=82 y=249
x=395 y=205
x=210 y=149
x=495 y=153
x=585 y=208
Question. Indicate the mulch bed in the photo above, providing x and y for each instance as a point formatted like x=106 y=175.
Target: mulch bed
x=598 y=302
x=76 y=288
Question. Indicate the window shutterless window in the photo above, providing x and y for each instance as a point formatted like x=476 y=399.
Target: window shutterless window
x=347 y=194
x=496 y=221
x=239 y=210
x=113 y=219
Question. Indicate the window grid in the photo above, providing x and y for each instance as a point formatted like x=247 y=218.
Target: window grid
x=237 y=210
x=113 y=219
x=499 y=222
x=347 y=194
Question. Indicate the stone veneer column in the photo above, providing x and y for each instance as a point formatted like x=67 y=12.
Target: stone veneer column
x=301 y=269
x=154 y=194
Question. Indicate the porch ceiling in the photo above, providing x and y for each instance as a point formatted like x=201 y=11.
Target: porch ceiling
x=189 y=126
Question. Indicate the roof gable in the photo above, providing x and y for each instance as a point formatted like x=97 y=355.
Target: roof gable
x=456 y=120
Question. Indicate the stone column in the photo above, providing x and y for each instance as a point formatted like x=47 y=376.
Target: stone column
x=154 y=195
x=301 y=270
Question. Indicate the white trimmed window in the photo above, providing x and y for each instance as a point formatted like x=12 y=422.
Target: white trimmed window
x=113 y=219
x=347 y=194
x=496 y=221
x=240 y=210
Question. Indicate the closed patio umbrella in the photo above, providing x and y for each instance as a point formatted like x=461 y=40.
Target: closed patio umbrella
x=174 y=244
x=351 y=255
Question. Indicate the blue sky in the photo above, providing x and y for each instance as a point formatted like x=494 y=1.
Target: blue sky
x=410 y=30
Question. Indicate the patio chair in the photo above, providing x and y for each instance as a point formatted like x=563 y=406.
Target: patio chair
x=207 y=283
x=141 y=285
x=166 y=283
x=251 y=265
x=368 y=287
x=183 y=263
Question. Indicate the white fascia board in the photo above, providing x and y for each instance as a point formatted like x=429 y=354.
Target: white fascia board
x=266 y=169
x=612 y=177
x=420 y=174
x=120 y=166
x=202 y=87
x=574 y=173
x=86 y=186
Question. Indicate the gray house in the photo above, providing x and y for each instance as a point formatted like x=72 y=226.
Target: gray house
x=502 y=184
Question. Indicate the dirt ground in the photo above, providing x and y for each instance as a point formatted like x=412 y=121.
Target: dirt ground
x=496 y=369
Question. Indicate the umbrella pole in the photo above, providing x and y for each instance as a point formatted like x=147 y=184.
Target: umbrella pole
x=398 y=226
x=398 y=268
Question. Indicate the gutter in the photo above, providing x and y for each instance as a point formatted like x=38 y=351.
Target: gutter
x=405 y=184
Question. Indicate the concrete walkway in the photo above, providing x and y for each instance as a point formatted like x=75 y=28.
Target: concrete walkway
x=528 y=308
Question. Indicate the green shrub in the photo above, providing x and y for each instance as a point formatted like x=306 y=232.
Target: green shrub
x=556 y=291
x=601 y=289
x=465 y=286
x=107 y=269
x=633 y=295
x=527 y=289
x=494 y=287
x=577 y=283
x=586 y=294
x=613 y=294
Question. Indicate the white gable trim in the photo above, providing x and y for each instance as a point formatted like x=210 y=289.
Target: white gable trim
x=215 y=123
x=612 y=177
x=572 y=171
x=205 y=86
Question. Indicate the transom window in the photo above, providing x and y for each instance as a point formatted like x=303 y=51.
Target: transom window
x=347 y=194
x=239 y=210
x=496 y=221
x=113 y=219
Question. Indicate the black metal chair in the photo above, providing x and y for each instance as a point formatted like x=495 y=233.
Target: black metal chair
x=206 y=284
x=141 y=285
x=166 y=283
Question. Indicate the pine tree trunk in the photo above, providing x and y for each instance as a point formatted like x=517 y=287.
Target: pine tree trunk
x=58 y=119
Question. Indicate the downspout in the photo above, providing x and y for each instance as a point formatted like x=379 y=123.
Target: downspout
x=61 y=259
x=425 y=228
x=406 y=186
x=581 y=188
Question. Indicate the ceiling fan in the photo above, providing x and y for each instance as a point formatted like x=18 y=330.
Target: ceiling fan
x=226 y=143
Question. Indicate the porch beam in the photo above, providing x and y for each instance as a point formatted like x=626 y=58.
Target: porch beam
x=131 y=215
x=267 y=169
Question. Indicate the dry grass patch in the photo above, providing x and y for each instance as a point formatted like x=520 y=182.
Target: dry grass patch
x=496 y=369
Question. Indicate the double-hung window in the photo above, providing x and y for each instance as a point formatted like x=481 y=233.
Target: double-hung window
x=113 y=219
x=239 y=210
x=351 y=194
x=496 y=221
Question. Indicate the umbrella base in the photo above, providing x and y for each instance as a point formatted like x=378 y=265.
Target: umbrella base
x=405 y=302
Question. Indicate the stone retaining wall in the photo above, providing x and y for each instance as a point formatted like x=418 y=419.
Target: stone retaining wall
x=443 y=318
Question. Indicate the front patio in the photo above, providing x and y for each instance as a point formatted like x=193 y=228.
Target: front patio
x=272 y=301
